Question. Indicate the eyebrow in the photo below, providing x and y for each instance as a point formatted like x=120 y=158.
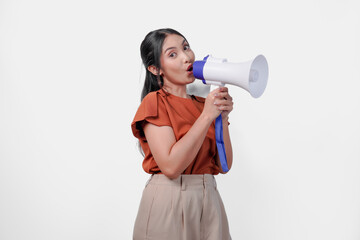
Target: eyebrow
x=175 y=47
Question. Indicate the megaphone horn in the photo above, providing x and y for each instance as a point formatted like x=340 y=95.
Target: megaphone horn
x=251 y=75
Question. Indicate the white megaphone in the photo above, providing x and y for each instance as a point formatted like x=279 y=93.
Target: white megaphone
x=251 y=76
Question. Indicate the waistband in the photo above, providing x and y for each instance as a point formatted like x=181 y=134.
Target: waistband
x=206 y=180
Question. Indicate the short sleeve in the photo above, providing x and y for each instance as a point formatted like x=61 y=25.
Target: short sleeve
x=153 y=110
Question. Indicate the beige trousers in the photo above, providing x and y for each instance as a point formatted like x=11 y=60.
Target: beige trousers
x=186 y=208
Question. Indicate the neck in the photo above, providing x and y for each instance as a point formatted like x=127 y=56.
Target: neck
x=179 y=91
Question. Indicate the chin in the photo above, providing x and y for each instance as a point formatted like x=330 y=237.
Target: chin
x=191 y=79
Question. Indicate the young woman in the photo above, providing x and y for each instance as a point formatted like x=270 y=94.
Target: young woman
x=177 y=135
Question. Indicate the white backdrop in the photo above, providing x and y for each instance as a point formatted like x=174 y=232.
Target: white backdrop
x=70 y=83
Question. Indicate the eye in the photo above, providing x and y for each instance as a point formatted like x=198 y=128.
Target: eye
x=186 y=47
x=172 y=54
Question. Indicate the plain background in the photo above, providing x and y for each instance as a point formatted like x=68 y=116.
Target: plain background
x=70 y=83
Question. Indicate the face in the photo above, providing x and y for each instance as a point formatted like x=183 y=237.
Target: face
x=176 y=61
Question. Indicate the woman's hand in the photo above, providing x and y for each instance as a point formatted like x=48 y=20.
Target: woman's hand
x=224 y=102
x=211 y=111
x=218 y=102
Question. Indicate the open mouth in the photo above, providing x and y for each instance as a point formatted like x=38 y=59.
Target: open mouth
x=190 y=68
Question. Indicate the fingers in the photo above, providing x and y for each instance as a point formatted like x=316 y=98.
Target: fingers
x=228 y=106
x=223 y=100
x=225 y=108
x=222 y=92
x=224 y=104
x=222 y=97
x=210 y=109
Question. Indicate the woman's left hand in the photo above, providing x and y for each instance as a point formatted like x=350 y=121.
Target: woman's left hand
x=224 y=102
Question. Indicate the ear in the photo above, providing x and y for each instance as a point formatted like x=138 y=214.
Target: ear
x=154 y=70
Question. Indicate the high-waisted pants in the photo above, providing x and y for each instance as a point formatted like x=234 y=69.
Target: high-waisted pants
x=186 y=208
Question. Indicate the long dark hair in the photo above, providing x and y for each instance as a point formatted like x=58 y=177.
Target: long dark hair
x=150 y=50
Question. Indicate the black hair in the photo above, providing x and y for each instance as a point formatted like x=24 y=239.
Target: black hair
x=150 y=50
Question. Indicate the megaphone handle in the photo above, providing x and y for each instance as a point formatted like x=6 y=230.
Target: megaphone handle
x=220 y=143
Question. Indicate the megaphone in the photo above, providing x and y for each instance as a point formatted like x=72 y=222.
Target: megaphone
x=251 y=75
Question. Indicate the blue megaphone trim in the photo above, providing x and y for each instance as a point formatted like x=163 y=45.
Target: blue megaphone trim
x=198 y=69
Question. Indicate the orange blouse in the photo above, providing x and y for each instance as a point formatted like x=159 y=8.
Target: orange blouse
x=164 y=109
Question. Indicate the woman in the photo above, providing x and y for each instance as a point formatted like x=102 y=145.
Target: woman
x=177 y=135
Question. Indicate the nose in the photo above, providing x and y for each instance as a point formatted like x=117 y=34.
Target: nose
x=187 y=57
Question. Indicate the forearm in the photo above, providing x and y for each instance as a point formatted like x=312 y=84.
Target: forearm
x=184 y=151
x=227 y=142
x=173 y=156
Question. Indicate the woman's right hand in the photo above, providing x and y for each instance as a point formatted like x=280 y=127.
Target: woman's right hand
x=211 y=110
x=218 y=101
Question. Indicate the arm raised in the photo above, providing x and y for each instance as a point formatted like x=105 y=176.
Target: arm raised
x=172 y=156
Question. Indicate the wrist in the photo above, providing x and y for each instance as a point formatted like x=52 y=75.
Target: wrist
x=205 y=119
x=225 y=118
